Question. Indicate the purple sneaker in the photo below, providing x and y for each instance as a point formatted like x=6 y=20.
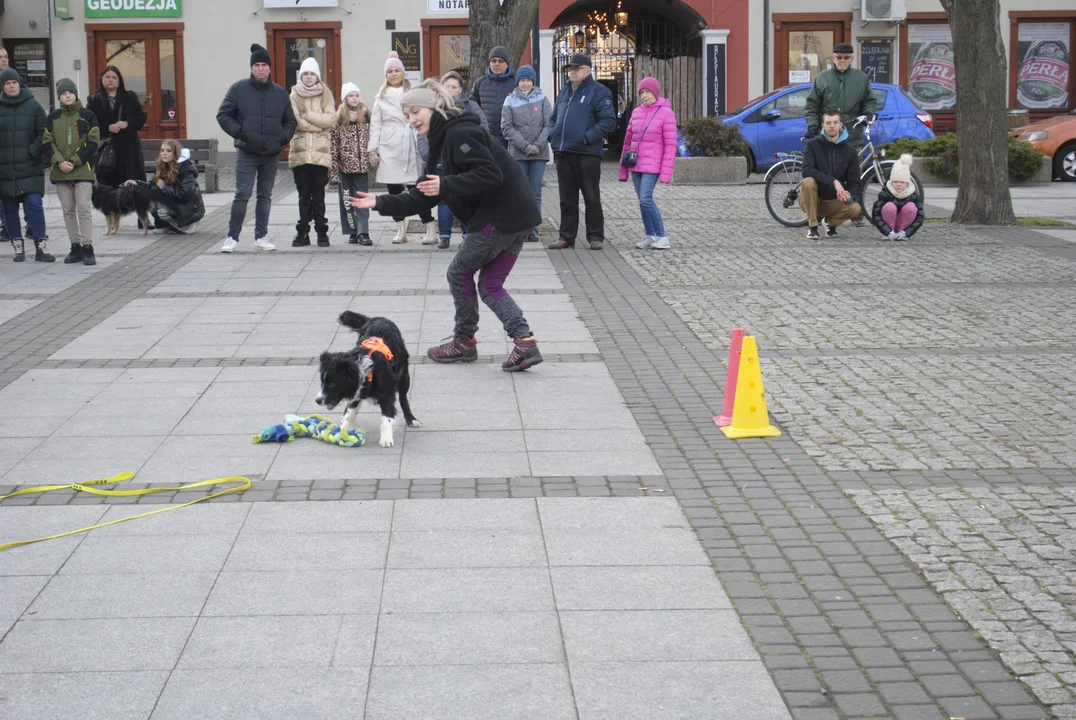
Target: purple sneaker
x=524 y=355
x=455 y=350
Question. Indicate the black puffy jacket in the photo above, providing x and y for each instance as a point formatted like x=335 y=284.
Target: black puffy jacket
x=258 y=115
x=22 y=126
x=489 y=93
x=480 y=183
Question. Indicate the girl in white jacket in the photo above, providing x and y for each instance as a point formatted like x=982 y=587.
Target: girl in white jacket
x=310 y=152
x=393 y=148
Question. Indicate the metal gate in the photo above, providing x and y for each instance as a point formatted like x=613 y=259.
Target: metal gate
x=623 y=56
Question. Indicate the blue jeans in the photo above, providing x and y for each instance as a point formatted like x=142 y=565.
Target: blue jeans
x=444 y=222
x=248 y=168
x=534 y=171
x=35 y=215
x=644 y=189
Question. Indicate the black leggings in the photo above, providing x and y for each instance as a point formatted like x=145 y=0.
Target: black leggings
x=426 y=216
x=310 y=181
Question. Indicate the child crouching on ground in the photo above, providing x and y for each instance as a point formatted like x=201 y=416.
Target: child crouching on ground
x=350 y=137
x=898 y=211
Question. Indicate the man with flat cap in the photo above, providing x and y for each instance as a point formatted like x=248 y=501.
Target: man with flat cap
x=582 y=115
x=842 y=88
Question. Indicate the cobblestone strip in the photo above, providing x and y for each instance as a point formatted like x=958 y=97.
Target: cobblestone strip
x=34 y=335
x=371 y=489
x=1005 y=560
x=419 y=359
x=847 y=626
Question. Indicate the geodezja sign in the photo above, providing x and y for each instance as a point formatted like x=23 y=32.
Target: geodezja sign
x=133 y=8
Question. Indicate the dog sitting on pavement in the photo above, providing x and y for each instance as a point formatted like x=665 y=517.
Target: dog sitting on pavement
x=377 y=369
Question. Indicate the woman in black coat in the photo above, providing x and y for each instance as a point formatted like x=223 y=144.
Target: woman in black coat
x=473 y=175
x=120 y=116
x=177 y=200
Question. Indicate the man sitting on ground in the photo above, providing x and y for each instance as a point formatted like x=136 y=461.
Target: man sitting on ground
x=830 y=178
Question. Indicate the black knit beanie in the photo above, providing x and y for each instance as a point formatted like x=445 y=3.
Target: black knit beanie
x=7 y=75
x=258 y=54
x=66 y=85
x=499 y=52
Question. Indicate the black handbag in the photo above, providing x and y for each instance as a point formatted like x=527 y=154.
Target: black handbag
x=630 y=158
x=105 y=160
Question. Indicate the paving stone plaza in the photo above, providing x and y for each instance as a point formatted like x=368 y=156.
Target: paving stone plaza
x=577 y=541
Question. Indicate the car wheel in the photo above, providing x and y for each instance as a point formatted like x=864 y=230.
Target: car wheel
x=1065 y=163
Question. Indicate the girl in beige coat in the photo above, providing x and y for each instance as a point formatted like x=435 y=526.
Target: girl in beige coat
x=393 y=146
x=310 y=152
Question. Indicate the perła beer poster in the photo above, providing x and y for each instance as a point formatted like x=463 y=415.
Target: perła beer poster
x=1043 y=79
x=932 y=74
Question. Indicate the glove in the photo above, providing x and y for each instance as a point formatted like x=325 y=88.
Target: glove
x=892 y=235
x=901 y=236
x=531 y=150
x=813 y=131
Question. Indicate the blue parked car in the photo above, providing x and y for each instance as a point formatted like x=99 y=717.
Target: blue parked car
x=775 y=122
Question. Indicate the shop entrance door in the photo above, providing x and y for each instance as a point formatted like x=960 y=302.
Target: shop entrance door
x=448 y=47
x=804 y=45
x=291 y=43
x=150 y=58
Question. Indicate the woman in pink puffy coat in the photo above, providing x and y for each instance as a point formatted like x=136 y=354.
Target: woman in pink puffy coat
x=651 y=133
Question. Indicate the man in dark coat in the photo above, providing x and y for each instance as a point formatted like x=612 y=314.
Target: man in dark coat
x=22 y=172
x=830 y=178
x=582 y=115
x=257 y=113
x=842 y=88
x=491 y=90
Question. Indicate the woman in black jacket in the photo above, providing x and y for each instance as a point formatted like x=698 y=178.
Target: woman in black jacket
x=483 y=187
x=120 y=117
x=177 y=199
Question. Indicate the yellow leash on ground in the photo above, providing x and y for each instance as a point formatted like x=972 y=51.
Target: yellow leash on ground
x=242 y=484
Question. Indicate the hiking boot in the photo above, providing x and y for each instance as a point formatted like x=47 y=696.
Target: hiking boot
x=302 y=239
x=88 y=257
x=75 y=256
x=444 y=243
x=455 y=350
x=524 y=355
x=41 y=251
x=20 y=250
x=560 y=244
x=323 y=239
x=812 y=232
x=364 y=239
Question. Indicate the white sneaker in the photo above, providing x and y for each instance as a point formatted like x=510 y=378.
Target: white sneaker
x=401 y=233
x=264 y=244
x=646 y=242
x=661 y=243
x=229 y=245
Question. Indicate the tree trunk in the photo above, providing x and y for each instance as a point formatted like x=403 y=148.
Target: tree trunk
x=499 y=22
x=982 y=120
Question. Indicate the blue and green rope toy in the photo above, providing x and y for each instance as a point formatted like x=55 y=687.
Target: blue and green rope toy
x=314 y=426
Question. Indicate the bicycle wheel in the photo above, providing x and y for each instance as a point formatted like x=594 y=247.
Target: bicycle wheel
x=782 y=193
x=869 y=186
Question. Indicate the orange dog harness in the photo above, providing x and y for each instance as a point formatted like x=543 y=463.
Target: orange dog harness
x=376 y=344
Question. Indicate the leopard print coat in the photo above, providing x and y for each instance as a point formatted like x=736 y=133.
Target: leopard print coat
x=349 y=144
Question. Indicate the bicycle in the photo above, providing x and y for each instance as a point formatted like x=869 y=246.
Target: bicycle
x=783 y=180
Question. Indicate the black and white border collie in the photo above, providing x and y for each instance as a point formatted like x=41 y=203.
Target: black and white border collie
x=376 y=369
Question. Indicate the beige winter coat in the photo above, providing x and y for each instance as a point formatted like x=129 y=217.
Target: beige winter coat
x=311 y=144
x=394 y=141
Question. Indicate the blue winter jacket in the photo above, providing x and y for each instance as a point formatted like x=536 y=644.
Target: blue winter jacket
x=581 y=117
x=489 y=92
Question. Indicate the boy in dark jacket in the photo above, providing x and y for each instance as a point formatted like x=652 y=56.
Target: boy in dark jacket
x=257 y=113
x=482 y=186
x=830 y=178
x=71 y=136
x=898 y=211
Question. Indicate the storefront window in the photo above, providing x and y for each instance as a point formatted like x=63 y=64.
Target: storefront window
x=167 y=51
x=454 y=52
x=809 y=53
x=932 y=67
x=1042 y=72
x=129 y=56
x=31 y=60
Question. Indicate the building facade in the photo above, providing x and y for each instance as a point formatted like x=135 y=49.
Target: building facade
x=180 y=56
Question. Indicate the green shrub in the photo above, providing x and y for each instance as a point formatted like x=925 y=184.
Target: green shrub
x=941 y=156
x=709 y=137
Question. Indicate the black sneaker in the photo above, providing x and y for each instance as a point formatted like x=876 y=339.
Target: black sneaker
x=323 y=238
x=302 y=239
x=524 y=355
x=831 y=231
x=364 y=239
x=444 y=243
x=812 y=232
x=353 y=239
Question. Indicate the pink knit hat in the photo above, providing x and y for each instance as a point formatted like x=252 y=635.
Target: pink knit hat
x=393 y=62
x=651 y=84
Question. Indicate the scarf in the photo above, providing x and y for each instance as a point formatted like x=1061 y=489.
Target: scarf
x=908 y=190
x=309 y=92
